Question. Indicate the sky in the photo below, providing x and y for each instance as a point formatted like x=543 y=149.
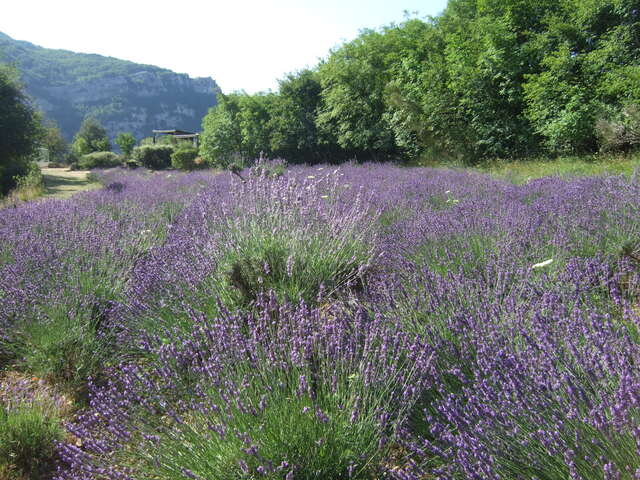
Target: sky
x=242 y=44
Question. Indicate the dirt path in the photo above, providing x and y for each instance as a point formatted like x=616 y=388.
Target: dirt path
x=62 y=183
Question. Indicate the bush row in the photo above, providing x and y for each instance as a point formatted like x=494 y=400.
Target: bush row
x=154 y=157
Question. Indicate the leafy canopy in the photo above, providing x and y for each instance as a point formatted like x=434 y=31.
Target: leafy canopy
x=20 y=128
x=92 y=137
x=126 y=142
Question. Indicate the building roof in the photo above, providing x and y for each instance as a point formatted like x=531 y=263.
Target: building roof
x=174 y=132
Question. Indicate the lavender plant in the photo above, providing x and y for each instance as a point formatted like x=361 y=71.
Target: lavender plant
x=497 y=337
x=30 y=427
x=290 y=237
x=319 y=394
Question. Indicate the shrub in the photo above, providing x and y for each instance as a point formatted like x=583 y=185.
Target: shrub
x=622 y=132
x=315 y=395
x=66 y=348
x=184 y=158
x=27 y=186
x=10 y=172
x=99 y=160
x=155 y=157
x=32 y=177
x=28 y=436
x=273 y=242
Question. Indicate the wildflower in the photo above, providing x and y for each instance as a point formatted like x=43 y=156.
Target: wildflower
x=543 y=264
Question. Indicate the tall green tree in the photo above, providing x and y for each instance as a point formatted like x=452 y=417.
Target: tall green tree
x=126 y=142
x=254 y=118
x=590 y=54
x=292 y=125
x=20 y=129
x=91 y=137
x=486 y=79
x=354 y=80
x=423 y=112
x=221 y=139
x=54 y=142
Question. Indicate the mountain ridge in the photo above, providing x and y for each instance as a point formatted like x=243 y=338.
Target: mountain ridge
x=124 y=96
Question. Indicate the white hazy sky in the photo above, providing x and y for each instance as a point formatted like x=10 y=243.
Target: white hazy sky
x=243 y=44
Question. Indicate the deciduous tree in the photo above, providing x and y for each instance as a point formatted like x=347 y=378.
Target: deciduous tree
x=20 y=128
x=126 y=142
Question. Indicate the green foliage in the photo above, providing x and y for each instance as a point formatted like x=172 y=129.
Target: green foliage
x=154 y=157
x=28 y=435
x=221 y=139
x=54 y=142
x=31 y=178
x=289 y=252
x=292 y=127
x=560 y=107
x=242 y=127
x=622 y=132
x=92 y=137
x=20 y=129
x=126 y=142
x=486 y=79
x=184 y=158
x=237 y=128
x=354 y=111
x=99 y=160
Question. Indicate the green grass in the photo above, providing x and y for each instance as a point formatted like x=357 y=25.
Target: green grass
x=521 y=171
x=28 y=435
x=61 y=183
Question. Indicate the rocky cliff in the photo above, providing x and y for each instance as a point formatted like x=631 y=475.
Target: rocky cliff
x=124 y=96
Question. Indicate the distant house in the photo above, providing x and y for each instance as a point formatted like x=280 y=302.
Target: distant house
x=178 y=134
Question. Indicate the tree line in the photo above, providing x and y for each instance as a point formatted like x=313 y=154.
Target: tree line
x=486 y=79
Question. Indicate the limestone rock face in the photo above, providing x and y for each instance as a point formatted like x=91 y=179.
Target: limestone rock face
x=124 y=96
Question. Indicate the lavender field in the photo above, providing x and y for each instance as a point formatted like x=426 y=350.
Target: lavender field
x=351 y=322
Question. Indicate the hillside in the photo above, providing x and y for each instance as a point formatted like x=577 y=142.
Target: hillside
x=124 y=96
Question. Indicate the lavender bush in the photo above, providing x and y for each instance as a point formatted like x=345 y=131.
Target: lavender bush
x=318 y=394
x=353 y=322
x=29 y=427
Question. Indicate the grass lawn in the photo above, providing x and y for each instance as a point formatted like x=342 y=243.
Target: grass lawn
x=63 y=183
x=521 y=171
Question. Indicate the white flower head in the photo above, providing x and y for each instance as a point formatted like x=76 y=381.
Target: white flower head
x=543 y=264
